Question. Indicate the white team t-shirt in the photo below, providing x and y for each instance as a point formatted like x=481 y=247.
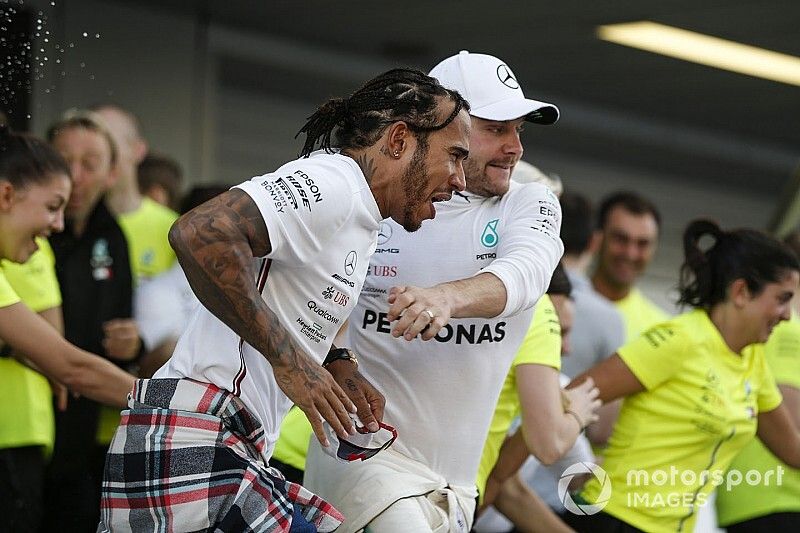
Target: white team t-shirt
x=322 y=221
x=441 y=394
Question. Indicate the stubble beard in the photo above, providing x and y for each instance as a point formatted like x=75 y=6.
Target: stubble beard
x=415 y=181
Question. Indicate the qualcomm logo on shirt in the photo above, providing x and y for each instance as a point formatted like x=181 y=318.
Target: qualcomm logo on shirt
x=489 y=236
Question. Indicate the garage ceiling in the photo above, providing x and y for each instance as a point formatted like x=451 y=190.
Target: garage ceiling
x=618 y=104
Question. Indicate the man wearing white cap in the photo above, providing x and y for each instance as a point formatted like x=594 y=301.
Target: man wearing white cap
x=494 y=249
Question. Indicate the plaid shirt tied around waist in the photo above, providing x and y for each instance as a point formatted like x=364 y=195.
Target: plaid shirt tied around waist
x=187 y=457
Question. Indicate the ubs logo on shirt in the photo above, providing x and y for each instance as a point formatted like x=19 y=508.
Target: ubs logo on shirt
x=382 y=271
x=332 y=294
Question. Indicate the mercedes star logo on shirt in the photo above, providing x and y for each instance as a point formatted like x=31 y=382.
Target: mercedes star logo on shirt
x=506 y=78
x=350 y=263
x=385 y=233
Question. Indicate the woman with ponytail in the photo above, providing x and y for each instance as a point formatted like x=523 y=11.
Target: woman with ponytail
x=696 y=388
x=34 y=188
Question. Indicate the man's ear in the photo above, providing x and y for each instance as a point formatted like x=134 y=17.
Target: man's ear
x=398 y=139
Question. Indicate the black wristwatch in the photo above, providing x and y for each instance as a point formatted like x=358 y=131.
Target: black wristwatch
x=340 y=353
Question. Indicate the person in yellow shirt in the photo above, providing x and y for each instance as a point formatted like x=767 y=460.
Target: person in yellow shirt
x=744 y=507
x=533 y=392
x=26 y=408
x=627 y=227
x=35 y=185
x=696 y=388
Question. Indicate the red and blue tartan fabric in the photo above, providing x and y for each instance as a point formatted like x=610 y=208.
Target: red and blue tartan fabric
x=187 y=457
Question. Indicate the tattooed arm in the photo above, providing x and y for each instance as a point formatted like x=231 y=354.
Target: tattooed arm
x=215 y=244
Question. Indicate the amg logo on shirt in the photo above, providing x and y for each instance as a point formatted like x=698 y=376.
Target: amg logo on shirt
x=459 y=334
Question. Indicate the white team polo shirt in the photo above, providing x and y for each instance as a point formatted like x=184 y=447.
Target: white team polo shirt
x=322 y=221
x=441 y=394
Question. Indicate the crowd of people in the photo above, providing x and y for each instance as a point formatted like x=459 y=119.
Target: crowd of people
x=405 y=329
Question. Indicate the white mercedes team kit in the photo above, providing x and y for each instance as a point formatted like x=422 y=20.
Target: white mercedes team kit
x=441 y=394
x=323 y=222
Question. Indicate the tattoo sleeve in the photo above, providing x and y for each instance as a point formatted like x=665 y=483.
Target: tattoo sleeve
x=215 y=244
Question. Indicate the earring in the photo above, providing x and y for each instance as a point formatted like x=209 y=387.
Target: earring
x=397 y=153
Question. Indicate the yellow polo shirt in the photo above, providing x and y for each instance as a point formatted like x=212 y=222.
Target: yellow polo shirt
x=146 y=231
x=673 y=442
x=745 y=501
x=26 y=405
x=638 y=313
x=541 y=346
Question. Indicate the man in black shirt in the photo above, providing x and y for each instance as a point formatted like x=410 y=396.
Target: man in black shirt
x=94 y=272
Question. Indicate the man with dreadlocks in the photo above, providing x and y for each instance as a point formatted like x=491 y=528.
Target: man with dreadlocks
x=278 y=262
x=493 y=249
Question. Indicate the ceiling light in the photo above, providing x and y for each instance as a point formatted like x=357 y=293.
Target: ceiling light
x=704 y=49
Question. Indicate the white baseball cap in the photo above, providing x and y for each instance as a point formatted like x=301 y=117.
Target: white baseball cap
x=491 y=89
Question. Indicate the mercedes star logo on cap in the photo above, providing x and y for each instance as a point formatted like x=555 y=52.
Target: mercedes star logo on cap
x=506 y=78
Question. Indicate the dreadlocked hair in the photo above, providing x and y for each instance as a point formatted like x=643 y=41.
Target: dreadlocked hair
x=359 y=121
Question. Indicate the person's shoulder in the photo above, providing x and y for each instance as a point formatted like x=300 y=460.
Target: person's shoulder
x=324 y=168
x=526 y=193
x=320 y=181
x=594 y=302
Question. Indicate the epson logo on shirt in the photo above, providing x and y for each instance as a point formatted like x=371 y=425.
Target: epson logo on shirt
x=312 y=187
x=459 y=334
